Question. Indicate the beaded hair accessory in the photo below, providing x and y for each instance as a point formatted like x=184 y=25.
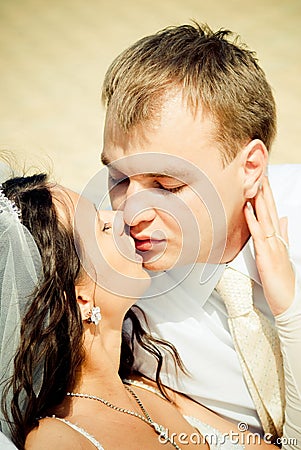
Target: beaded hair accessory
x=8 y=205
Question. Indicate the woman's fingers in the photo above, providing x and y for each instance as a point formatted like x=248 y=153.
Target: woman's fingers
x=252 y=222
x=265 y=211
x=283 y=222
x=270 y=238
x=270 y=204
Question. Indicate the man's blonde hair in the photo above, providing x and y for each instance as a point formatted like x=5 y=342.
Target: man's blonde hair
x=212 y=69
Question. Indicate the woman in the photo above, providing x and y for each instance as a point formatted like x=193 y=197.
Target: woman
x=66 y=391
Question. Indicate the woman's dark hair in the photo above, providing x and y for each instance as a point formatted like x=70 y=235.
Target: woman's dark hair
x=52 y=327
x=133 y=335
x=52 y=330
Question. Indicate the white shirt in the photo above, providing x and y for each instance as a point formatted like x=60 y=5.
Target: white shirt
x=192 y=316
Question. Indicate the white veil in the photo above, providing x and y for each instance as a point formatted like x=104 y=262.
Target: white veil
x=20 y=269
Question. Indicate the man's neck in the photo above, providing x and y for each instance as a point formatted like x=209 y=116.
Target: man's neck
x=235 y=244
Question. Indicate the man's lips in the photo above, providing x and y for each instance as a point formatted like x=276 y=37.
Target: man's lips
x=144 y=245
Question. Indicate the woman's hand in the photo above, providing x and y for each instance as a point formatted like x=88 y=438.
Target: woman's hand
x=270 y=241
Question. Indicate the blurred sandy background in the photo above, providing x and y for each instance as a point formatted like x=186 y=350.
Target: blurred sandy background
x=53 y=56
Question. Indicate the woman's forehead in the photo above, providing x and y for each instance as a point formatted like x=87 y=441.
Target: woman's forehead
x=69 y=203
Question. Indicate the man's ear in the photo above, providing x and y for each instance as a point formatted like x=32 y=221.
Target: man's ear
x=254 y=159
x=84 y=301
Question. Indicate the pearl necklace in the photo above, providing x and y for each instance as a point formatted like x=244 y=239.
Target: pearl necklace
x=159 y=429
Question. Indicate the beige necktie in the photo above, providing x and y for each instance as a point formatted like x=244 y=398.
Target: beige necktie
x=257 y=345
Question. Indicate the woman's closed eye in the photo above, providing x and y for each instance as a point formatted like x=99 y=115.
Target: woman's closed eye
x=106 y=226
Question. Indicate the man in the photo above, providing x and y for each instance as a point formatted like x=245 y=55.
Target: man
x=190 y=121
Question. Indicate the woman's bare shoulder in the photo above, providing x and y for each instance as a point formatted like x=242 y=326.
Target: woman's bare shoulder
x=52 y=433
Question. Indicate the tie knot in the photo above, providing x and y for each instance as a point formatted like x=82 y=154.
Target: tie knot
x=236 y=290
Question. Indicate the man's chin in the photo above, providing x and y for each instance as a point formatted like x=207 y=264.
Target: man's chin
x=155 y=267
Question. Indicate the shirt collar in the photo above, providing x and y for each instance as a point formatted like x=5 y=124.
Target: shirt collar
x=245 y=263
x=199 y=280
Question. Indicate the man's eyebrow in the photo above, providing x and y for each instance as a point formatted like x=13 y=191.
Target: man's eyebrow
x=165 y=173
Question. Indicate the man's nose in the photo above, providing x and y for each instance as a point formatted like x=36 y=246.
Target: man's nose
x=139 y=204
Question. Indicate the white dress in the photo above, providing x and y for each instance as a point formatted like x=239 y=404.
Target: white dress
x=81 y=431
